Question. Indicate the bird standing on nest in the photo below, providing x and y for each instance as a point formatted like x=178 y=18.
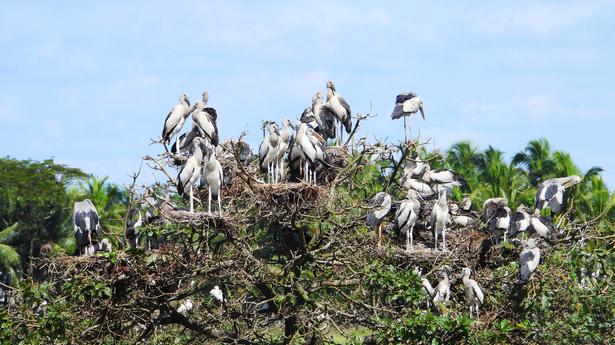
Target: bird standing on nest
x=175 y=120
x=474 y=294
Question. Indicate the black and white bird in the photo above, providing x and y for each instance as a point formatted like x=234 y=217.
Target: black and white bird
x=474 y=294
x=213 y=177
x=282 y=149
x=185 y=306
x=519 y=221
x=542 y=225
x=204 y=119
x=191 y=171
x=406 y=104
x=490 y=208
x=104 y=246
x=442 y=179
x=411 y=183
x=312 y=150
x=414 y=167
x=325 y=117
x=500 y=223
x=460 y=219
x=380 y=205
x=439 y=219
x=550 y=193
x=134 y=223
x=268 y=151
x=442 y=292
x=175 y=120
x=406 y=216
x=86 y=226
x=339 y=108
x=528 y=260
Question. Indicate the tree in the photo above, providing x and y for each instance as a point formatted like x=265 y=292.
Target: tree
x=10 y=259
x=463 y=158
x=34 y=194
x=537 y=160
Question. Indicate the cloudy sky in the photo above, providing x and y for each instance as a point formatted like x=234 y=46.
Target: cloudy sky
x=90 y=83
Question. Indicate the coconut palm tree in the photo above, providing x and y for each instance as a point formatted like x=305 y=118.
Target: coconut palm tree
x=10 y=260
x=537 y=160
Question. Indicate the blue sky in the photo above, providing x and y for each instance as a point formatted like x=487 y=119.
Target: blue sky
x=90 y=83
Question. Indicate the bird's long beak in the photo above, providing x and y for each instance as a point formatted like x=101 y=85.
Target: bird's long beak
x=422 y=112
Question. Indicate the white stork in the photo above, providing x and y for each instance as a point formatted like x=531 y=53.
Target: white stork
x=213 y=176
x=473 y=292
x=500 y=223
x=490 y=207
x=191 y=171
x=204 y=118
x=439 y=219
x=268 y=151
x=422 y=188
x=338 y=106
x=380 y=206
x=218 y=296
x=519 y=222
x=443 y=179
x=324 y=116
x=415 y=167
x=550 y=193
x=406 y=216
x=466 y=204
x=185 y=141
x=185 y=306
x=86 y=226
x=528 y=260
x=542 y=225
x=284 y=142
x=407 y=104
x=175 y=120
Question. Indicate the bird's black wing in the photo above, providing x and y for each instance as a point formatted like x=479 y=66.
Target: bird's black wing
x=165 y=133
x=348 y=120
x=328 y=127
x=213 y=117
x=305 y=114
x=401 y=98
x=212 y=114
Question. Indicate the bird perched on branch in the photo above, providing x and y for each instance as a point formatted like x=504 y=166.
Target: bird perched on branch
x=439 y=219
x=406 y=104
x=268 y=151
x=185 y=141
x=175 y=120
x=542 y=225
x=528 y=260
x=337 y=106
x=550 y=193
x=86 y=226
x=519 y=222
x=191 y=171
x=429 y=290
x=380 y=205
x=474 y=294
x=406 y=216
x=213 y=177
x=204 y=119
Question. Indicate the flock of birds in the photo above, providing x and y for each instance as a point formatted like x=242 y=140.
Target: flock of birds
x=299 y=148
x=421 y=183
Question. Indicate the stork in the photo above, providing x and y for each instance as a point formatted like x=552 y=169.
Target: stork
x=132 y=227
x=473 y=292
x=443 y=179
x=519 y=222
x=439 y=219
x=542 y=225
x=422 y=188
x=528 y=260
x=490 y=207
x=185 y=141
x=213 y=176
x=175 y=120
x=339 y=108
x=185 y=306
x=282 y=149
x=268 y=151
x=324 y=116
x=380 y=206
x=86 y=226
x=218 y=296
x=406 y=216
x=442 y=292
x=406 y=104
x=191 y=171
x=550 y=193
x=311 y=148
x=500 y=223
x=204 y=118
x=429 y=290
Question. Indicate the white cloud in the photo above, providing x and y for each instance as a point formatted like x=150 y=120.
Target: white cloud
x=531 y=18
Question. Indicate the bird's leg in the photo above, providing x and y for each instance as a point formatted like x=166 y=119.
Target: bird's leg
x=405 y=128
x=177 y=145
x=282 y=168
x=444 y=238
x=408 y=240
x=191 y=202
x=411 y=237
x=209 y=199
x=219 y=204
x=410 y=130
x=435 y=236
x=379 y=240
